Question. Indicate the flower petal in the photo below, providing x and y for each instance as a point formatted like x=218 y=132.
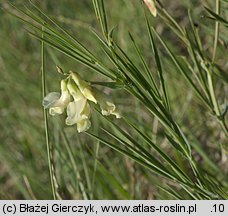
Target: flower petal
x=50 y=99
x=83 y=125
x=56 y=110
x=57 y=102
x=65 y=95
x=84 y=87
x=117 y=114
x=107 y=107
x=77 y=111
x=74 y=90
x=88 y=94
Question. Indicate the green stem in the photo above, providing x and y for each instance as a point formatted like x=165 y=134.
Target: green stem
x=74 y=165
x=48 y=145
x=215 y=102
x=216 y=31
x=97 y=147
x=209 y=74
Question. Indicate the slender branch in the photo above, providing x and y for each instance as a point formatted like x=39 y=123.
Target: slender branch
x=210 y=78
x=215 y=102
x=216 y=31
x=48 y=145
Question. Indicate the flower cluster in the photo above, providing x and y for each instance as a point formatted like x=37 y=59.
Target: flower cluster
x=74 y=97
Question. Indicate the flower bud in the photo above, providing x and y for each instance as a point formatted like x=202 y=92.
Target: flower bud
x=83 y=86
x=151 y=6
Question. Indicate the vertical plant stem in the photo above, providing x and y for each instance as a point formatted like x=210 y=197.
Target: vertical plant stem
x=85 y=166
x=74 y=165
x=48 y=145
x=210 y=78
x=97 y=147
x=215 y=102
x=217 y=8
x=212 y=93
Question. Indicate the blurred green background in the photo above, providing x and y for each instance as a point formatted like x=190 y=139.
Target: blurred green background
x=23 y=160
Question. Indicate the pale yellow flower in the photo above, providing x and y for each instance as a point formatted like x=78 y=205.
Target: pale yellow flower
x=57 y=102
x=78 y=111
x=106 y=105
x=84 y=87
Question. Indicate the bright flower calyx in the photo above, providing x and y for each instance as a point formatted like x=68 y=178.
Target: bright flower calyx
x=74 y=97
